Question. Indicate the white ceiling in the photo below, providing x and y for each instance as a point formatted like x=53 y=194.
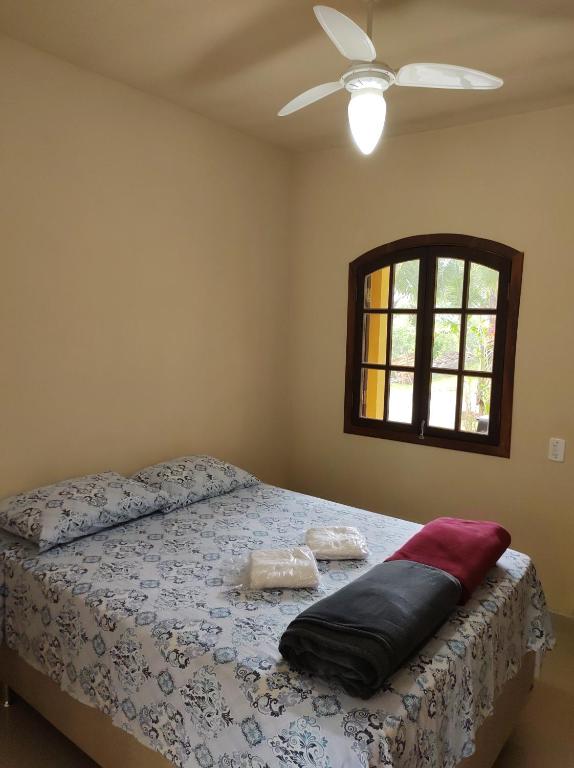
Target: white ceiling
x=239 y=61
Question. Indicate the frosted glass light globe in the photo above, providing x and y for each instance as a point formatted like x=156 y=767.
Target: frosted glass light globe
x=367 y=112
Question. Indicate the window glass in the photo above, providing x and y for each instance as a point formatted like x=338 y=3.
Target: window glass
x=377 y=289
x=401 y=396
x=375 y=338
x=482 y=287
x=475 y=406
x=406 y=285
x=442 y=411
x=373 y=393
x=479 y=342
x=449 y=283
x=404 y=334
x=446 y=340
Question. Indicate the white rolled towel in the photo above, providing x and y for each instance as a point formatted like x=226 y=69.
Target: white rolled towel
x=337 y=543
x=293 y=568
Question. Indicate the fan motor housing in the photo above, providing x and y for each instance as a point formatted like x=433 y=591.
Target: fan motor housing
x=368 y=75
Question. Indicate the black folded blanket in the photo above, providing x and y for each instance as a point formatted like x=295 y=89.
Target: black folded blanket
x=358 y=636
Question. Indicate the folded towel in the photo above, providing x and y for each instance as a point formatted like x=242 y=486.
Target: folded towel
x=358 y=636
x=467 y=549
x=338 y=543
x=290 y=568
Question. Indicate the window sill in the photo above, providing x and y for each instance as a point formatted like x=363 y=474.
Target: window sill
x=501 y=449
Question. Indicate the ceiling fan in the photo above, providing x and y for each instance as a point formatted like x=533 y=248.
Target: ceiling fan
x=367 y=79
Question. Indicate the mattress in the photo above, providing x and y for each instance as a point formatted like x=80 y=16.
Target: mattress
x=141 y=622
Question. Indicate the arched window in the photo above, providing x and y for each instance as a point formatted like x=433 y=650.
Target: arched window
x=431 y=338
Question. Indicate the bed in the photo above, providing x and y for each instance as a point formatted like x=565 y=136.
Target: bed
x=140 y=623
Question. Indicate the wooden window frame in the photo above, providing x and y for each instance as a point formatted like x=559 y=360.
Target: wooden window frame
x=427 y=248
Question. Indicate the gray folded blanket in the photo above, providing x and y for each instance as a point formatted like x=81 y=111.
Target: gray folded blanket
x=358 y=636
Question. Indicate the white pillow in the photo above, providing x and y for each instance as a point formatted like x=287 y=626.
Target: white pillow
x=193 y=478
x=55 y=514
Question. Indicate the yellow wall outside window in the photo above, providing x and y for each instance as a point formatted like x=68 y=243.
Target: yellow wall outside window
x=375 y=343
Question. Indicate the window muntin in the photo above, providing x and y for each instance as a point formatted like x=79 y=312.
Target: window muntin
x=437 y=318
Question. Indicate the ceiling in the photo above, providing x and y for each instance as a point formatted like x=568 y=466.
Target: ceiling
x=239 y=61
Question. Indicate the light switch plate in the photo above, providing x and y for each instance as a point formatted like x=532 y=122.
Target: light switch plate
x=556 y=448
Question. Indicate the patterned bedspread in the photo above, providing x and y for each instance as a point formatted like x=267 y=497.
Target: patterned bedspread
x=138 y=621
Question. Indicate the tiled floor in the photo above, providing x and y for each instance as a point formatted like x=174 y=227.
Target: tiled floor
x=544 y=737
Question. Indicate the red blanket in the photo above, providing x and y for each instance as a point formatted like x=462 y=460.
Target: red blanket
x=467 y=549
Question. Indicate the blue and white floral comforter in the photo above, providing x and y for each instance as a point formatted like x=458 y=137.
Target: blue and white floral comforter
x=138 y=621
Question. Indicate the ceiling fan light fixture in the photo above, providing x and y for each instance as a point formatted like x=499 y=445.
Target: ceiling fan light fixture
x=367 y=79
x=367 y=111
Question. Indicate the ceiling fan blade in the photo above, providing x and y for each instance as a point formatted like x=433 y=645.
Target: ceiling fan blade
x=350 y=40
x=446 y=76
x=308 y=97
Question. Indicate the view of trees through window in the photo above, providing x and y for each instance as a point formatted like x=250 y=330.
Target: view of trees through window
x=462 y=341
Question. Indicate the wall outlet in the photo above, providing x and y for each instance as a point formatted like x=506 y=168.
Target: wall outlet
x=556 y=448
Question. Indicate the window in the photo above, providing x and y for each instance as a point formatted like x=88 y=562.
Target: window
x=431 y=337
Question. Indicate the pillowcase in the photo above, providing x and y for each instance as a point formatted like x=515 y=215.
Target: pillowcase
x=56 y=514
x=193 y=478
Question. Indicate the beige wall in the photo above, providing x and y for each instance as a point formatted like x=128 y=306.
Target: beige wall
x=511 y=180
x=142 y=276
x=145 y=283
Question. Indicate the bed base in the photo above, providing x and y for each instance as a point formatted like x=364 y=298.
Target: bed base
x=109 y=746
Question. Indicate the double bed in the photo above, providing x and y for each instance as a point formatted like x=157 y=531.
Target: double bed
x=141 y=623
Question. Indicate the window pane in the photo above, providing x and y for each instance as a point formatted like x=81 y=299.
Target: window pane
x=475 y=407
x=404 y=335
x=372 y=393
x=482 y=287
x=443 y=400
x=446 y=341
x=479 y=344
x=449 y=282
x=401 y=397
x=377 y=289
x=375 y=339
x=406 y=285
